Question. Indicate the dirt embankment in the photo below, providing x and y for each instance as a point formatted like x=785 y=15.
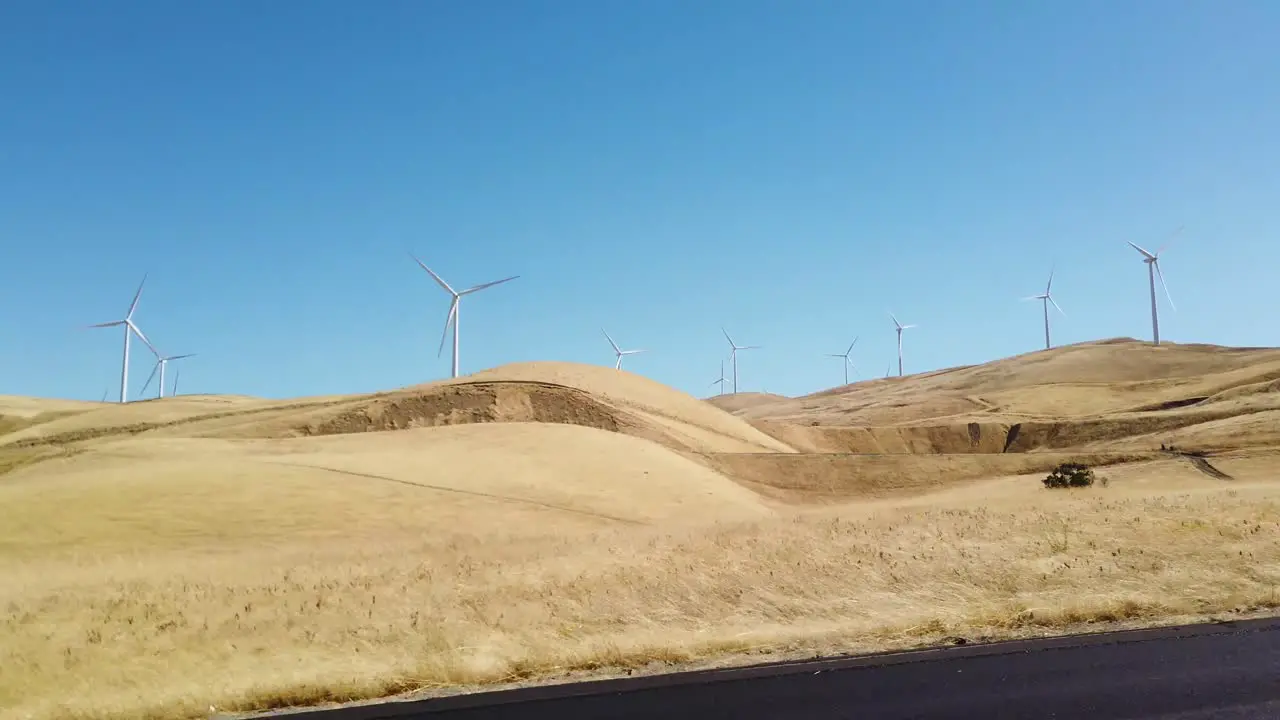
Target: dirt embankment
x=986 y=438
x=1056 y=435
x=807 y=478
x=471 y=403
x=958 y=438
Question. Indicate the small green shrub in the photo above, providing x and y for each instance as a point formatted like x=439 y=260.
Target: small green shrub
x=1069 y=475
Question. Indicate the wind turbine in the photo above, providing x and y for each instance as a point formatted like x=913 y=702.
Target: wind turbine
x=452 y=318
x=161 y=363
x=1045 y=299
x=847 y=361
x=720 y=380
x=900 y=328
x=1153 y=269
x=619 y=351
x=129 y=327
x=733 y=355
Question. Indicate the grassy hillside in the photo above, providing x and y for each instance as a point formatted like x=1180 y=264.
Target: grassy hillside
x=537 y=519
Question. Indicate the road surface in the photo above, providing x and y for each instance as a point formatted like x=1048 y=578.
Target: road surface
x=1225 y=671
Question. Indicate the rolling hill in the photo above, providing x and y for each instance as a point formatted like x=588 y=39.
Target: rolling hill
x=538 y=516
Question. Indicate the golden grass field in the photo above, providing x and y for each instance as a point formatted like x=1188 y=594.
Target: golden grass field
x=541 y=521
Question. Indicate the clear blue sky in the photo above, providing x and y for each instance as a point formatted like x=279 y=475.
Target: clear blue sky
x=790 y=170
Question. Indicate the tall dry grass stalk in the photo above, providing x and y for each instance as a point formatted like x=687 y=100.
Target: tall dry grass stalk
x=170 y=634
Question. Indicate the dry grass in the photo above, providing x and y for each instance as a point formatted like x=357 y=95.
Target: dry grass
x=167 y=634
x=533 y=522
x=1075 y=381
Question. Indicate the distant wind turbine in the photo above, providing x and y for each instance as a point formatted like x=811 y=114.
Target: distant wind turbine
x=129 y=328
x=161 y=363
x=733 y=355
x=720 y=380
x=452 y=318
x=847 y=361
x=1045 y=298
x=900 y=328
x=619 y=351
x=1153 y=269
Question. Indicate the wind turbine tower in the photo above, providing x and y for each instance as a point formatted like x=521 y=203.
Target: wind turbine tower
x=452 y=318
x=619 y=351
x=720 y=380
x=1153 y=269
x=161 y=363
x=900 y=328
x=129 y=328
x=1046 y=298
x=847 y=361
x=733 y=355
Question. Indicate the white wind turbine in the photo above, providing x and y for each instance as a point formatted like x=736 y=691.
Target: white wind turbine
x=1153 y=269
x=733 y=355
x=720 y=380
x=129 y=328
x=452 y=318
x=161 y=363
x=900 y=328
x=619 y=351
x=1046 y=298
x=847 y=361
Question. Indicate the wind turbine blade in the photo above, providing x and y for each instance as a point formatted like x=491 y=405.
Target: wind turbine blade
x=1169 y=241
x=1145 y=254
x=895 y=320
x=611 y=342
x=143 y=338
x=478 y=288
x=1033 y=297
x=726 y=337
x=1055 y=304
x=438 y=279
x=751 y=347
x=453 y=308
x=108 y=324
x=150 y=377
x=134 y=305
x=834 y=355
x=1160 y=273
x=179 y=357
x=1049 y=286
x=906 y=327
x=633 y=352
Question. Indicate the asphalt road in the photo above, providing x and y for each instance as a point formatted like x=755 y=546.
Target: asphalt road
x=1225 y=671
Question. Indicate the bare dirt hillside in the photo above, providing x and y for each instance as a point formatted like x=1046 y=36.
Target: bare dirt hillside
x=1084 y=380
x=567 y=393
x=1120 y=395
x=166 y=556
